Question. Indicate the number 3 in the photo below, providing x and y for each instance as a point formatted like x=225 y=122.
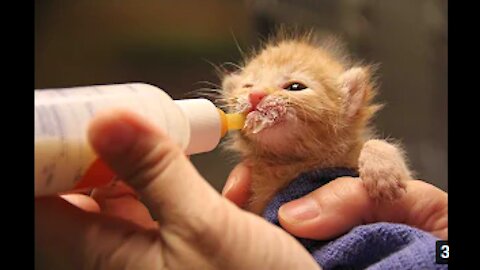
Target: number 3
x=445 y=251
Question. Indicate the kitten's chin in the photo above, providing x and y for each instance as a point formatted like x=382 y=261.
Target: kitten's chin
x=277 y=135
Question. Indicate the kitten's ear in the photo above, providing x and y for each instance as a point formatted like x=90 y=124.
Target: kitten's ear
x=356 y=87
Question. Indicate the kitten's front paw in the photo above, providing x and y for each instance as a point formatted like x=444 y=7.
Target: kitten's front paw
x=382 y=170
x=383 y=183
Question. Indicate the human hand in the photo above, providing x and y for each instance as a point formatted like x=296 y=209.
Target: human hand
x=340 y=205
x=196 y=229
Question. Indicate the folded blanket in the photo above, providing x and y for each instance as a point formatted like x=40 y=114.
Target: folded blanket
x=372 y=246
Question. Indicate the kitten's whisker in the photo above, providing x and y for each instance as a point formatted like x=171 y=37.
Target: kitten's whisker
x=219 y=71
x=227 y=99
x=206 y=90
x=301 y=104
x=233 y=65
x=217 y=90
x=214 y=85
x=242 y=53
x=203 y=92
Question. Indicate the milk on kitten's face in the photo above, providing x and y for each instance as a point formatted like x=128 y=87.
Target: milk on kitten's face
x=288 y=91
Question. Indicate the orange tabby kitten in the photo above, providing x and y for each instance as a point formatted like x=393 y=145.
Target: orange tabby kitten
x=307 y=108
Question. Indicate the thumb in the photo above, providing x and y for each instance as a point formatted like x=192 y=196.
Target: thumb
x=199 y=228
x=154 y=166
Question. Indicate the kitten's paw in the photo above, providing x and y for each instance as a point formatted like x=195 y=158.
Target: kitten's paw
x=382 y=170
x=383 y=184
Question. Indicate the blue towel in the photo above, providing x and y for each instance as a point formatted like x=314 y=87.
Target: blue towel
x=373 y=246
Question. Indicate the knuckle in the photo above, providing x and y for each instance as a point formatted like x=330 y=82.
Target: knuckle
x=149 y=163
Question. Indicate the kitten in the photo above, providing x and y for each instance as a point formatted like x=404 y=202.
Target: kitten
x=307 y=108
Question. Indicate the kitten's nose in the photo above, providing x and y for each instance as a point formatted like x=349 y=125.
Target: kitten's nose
x=255 y=97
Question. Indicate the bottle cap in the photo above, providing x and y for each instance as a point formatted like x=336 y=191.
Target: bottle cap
x=208 y=124
x=205 y=124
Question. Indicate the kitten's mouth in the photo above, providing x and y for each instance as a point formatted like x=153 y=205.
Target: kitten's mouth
x=267 y=114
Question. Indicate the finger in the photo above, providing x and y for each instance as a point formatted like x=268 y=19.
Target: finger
x=326 y=212
x=121 y=201
x=67 y=237
x=147 y=160
x=344 y=203
x=424 y=206
x=237 y=187
x=83 y=202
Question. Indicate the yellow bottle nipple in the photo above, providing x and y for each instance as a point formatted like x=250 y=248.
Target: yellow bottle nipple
x=231 y=121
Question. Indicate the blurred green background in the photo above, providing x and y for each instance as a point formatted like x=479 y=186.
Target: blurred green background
x=171 y=44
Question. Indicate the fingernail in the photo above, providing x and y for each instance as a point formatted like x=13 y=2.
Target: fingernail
x=230 y=183
x=299 y=211
x=115 y=137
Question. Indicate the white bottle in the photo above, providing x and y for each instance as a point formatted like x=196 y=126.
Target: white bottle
x=64 y=159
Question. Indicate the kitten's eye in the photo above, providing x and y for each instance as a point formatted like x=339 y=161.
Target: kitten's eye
x=248 y=85
x=295 y=86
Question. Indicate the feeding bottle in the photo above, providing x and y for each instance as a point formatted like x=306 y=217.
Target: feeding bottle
x=64 y=159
